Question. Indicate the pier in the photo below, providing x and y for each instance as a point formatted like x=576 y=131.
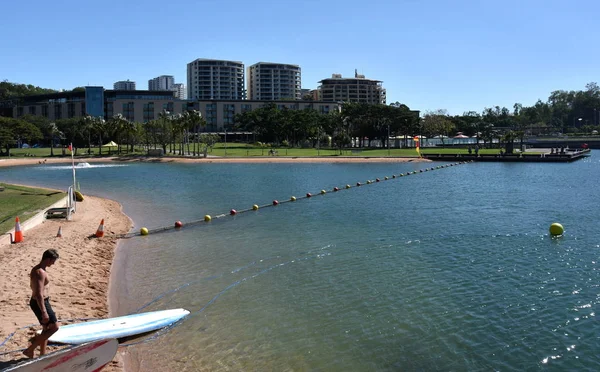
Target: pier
x=544 y=157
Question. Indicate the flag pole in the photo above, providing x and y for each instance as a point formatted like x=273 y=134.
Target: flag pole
x=73 y=165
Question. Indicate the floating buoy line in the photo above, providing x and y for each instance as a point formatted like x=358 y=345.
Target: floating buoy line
x=255 y=207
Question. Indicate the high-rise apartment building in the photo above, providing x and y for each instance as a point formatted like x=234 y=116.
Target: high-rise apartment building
x=124 y=85
x=212 y=79
x=356 y=89
x=163 y=82
x=274 y=81
x=179 y=90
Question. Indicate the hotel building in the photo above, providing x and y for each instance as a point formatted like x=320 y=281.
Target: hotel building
x=356 y=89
x=179 y=90
x=212 y=79
x=124 y=85
x=274 y=81
x=142 y=106
x=163 y=82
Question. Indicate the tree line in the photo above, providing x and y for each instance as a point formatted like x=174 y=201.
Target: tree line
x=564 y=112
x=181 y=132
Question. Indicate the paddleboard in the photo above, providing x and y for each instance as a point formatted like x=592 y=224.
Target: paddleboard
x=122 y=326
x=91 y=356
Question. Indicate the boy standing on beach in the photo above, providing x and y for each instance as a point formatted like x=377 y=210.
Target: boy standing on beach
x=40 y=302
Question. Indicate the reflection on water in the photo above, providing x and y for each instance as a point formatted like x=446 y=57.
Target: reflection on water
x=78 y=166
x=451 y=269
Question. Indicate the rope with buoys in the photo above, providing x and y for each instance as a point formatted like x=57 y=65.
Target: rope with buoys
x=255 y=207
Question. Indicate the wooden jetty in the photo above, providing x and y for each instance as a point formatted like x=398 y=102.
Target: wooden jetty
x=567 y=157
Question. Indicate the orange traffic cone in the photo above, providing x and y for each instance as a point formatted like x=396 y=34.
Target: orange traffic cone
x=18 y=232
x=100 y=231
x=59 y=234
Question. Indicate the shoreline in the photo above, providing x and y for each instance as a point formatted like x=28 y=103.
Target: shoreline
x=8 y=162
x=73 y=295
x=79 y=282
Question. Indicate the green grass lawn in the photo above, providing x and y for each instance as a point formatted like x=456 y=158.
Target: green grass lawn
x=251 y=150
x=44 y=152
x=24 y=202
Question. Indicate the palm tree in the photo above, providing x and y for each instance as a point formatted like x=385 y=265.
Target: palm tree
x=165 y=126
x=53 y=132
x=194 y=120
x=99 y=126
x=87 y=126
x=115 y=127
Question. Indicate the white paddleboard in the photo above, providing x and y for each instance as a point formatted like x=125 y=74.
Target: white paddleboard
x=87 y=357
x=122 y=326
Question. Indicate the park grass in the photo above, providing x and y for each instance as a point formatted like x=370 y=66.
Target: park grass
x=244 y=150
x=24 y=202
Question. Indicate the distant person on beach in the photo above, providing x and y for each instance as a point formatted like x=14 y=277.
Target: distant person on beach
x=40 y=302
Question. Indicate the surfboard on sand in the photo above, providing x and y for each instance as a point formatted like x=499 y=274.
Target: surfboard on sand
x=122 y=326
x=91 y=356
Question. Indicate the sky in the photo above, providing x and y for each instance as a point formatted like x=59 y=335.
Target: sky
x=456 y=55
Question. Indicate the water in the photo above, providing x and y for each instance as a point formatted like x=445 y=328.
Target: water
x=451 y=269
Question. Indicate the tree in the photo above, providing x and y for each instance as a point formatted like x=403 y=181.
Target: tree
x=53 y=132
x=15 y=131
x=194 y=121
x=87 y=127
x=8 y=90
x=438 y=123
x=99 y=127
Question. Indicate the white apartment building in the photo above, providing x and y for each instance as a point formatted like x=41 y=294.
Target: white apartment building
x=163 y=82
x=124 y=85
x=356 y=89
x=212 y=79
x=179 y=90
x=274 y=81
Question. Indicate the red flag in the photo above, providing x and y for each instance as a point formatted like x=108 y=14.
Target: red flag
x=71 y=147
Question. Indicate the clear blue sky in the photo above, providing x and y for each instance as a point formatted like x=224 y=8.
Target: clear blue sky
x=456 y=55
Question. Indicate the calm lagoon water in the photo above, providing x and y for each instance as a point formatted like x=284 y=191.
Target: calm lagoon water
x=450 y=269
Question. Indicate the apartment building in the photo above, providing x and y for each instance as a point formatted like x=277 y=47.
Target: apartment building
x=356 y=89
x=124 y=85
x=212 y=79
x=138 y=106
x=143 y=106
x=179 y=90
x=274 y=81
x=163 y=82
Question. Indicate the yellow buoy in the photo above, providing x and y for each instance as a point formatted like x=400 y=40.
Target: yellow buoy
x=556 y=229
x=323 y=191
x=207 y=218
x=347 y=186
x=293 y=198
x=255 y=207
x=144 y=231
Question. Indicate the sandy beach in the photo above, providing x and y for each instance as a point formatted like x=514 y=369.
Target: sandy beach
x=78 y=281
x=7 y=162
